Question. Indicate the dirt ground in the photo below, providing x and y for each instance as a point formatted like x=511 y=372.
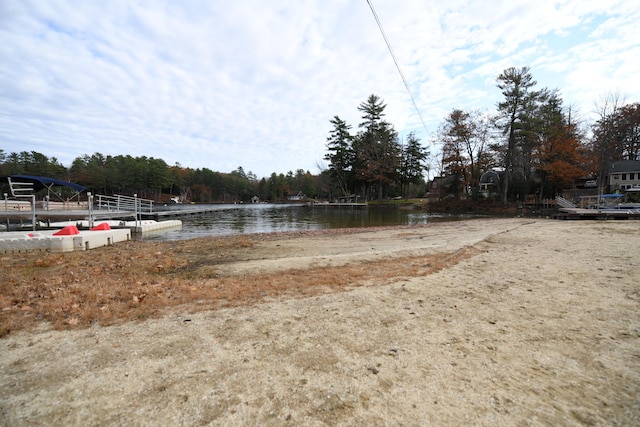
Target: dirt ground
x=481 y=322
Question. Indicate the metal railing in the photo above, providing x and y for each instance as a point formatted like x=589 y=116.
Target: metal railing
x=23 y=190
x=119 y=203
x=21 y=199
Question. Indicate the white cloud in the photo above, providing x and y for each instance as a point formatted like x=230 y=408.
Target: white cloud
x=254 y=84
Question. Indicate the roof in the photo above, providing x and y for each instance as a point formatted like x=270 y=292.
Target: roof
x=625 y=166
x=40 y=182
x=490 y=177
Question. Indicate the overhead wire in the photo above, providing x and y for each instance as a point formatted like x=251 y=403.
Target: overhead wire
x=395 y=61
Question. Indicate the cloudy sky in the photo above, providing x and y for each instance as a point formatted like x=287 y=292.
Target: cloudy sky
x=254 y=83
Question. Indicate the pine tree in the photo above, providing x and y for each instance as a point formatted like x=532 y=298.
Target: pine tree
x=340 y=155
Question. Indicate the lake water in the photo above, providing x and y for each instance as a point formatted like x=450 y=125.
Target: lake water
x=268 y=218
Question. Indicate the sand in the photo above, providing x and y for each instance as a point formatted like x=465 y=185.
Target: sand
x=530 y=322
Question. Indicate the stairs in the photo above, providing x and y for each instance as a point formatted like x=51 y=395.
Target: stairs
x=564 y=203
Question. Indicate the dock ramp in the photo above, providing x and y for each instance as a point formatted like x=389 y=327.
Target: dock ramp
x=564 y=203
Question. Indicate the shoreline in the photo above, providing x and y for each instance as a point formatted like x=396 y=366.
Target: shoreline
x=485 y=322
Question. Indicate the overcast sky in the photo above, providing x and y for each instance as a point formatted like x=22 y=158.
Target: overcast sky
x=254 y=83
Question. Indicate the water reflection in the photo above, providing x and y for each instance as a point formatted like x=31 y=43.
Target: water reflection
x=268 y=218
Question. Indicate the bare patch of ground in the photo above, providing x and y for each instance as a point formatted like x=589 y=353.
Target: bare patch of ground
x=483 y=322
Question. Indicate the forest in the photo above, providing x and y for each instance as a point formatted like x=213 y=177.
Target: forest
x=537 y=144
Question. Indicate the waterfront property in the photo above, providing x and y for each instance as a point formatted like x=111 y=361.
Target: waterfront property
x=624 y=175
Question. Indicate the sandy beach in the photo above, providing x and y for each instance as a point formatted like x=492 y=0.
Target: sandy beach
x=486 y=322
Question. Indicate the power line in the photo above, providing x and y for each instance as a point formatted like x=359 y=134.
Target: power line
x=384 y=36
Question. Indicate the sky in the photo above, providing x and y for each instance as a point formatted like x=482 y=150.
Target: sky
x=254 y=83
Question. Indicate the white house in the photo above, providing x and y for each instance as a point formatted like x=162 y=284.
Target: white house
x=624 y=174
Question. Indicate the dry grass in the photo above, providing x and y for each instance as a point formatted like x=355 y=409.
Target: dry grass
x=137 y=280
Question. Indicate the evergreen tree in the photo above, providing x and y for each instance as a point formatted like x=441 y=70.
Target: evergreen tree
x=413 y=164
x=376 y=147
x=340 y=155
x=515 y=114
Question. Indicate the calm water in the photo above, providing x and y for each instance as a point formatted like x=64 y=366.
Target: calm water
x=267 y=218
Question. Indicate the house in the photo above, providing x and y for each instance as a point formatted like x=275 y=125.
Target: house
x=490 y=183
x=298 y=196
x=624 y=175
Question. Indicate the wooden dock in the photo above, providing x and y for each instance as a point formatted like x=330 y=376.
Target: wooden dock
x=597 y=214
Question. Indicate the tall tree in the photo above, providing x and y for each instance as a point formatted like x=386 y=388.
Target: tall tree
x=412 y=165
x=377 y=149
x=340 y=156
x=515 y=113
x=628 y=126
x=465 y=137
x=617 y=132
x=455 y=134
x=603 y=143
x=559 y=153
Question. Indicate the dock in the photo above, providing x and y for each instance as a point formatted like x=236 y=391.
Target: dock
x=66 y=226
x=62 y=215
x=48 y=241
x=597 y=214
x=104 y=233
x=53 y=216
x=173 y=213
x=338 y=204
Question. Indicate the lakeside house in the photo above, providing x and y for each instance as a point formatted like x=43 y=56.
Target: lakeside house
x=624 y=175
x=297 y=196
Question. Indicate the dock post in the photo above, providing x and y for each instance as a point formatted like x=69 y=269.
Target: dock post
x=33 y=212
x=90 y=203
x=135 y=208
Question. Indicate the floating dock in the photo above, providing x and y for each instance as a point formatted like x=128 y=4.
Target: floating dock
x=136 y=227
x=47 y=240
x=80 y=239
x=578 y=213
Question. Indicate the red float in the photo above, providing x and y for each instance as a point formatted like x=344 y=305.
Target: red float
x=69 y=230
x=103 y=226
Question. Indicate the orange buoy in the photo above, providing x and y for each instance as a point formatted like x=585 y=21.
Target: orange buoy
x=103 y=226
x=69 y=230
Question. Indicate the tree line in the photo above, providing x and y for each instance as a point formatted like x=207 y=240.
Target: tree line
x=153 y=178
x=373 y=163
x=536 y=144
x=534 y=141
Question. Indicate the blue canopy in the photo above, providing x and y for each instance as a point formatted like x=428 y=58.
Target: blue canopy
x=40 y=182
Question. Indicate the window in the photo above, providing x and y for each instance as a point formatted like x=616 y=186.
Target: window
x=632 y=176
x=624 y=176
